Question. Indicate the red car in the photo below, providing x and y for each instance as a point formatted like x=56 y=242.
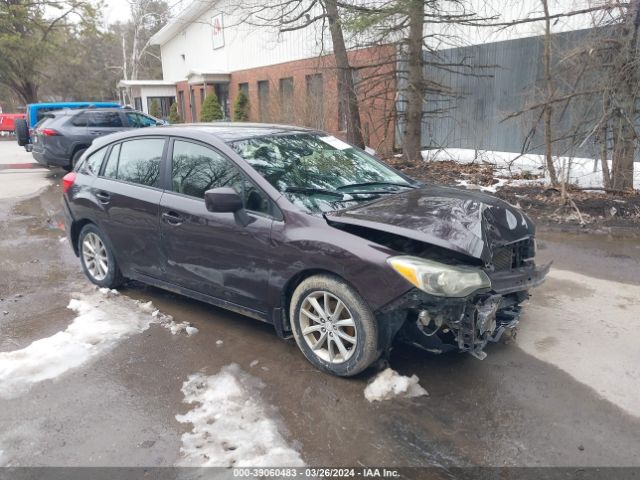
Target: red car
x=8 y=121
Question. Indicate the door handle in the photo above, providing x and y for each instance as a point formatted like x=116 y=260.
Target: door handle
x=95 y=132
x=172 y=218
x=104 y=197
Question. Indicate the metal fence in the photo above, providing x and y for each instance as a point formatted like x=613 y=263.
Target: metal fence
x=497 y=80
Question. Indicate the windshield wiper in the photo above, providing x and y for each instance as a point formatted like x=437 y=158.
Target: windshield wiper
x=367 y=184
x=312 y=190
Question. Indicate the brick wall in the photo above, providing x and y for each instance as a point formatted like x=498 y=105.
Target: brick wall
x=375 y=89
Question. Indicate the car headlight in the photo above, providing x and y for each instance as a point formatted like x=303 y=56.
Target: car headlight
x=438 y=278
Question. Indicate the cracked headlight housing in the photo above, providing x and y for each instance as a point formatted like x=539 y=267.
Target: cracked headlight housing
x=440 y=279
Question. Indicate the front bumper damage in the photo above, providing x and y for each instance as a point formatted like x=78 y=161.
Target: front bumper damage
x=467 y=324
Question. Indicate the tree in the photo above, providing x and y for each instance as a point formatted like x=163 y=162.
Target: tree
x=211 y=109
x=416 y=28
x=29 y=38
x=241 y=107
x=291 y=15
x=154 y=109
x=138 y=56
x=596 y=83
x=174 y=116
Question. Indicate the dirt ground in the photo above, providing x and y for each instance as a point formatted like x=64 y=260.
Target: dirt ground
x=597 y=211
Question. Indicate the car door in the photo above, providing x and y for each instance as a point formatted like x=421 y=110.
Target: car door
x=128 y=190
x=223 y=255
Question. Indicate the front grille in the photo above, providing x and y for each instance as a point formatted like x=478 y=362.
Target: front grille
x=513 y=256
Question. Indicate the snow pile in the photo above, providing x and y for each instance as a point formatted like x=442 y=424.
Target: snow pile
x=389 y=384
x=231 y=424
x=99 y=326
x=167 y=321
x=581 y=170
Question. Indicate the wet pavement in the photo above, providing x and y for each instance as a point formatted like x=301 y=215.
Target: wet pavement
x=519 y=406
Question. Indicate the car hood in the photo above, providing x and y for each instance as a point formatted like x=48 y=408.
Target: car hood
x=464 y=221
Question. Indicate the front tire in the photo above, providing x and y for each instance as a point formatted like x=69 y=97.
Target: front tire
x=98 y=261
x=333 y=326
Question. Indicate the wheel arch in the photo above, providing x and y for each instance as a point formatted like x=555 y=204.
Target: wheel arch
x=76 y=228
x=282 y=322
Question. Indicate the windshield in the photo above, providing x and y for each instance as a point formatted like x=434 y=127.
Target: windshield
x=319 y=173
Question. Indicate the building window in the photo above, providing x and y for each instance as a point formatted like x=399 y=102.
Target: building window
x=286 y=99
x=263 y=100
x=315 y=100
x=201 y=96
x=163 y=102
x=137 y=103
x=244 y=88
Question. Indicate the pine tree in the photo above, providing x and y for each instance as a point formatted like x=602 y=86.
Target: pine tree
x=241 y=107
x=211 y=109
x=174 y=116
x=154 y=109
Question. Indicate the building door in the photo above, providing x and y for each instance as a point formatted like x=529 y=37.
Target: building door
x=222 y=92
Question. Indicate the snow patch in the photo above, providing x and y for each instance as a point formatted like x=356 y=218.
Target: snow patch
x=109 y=292
x=232 y=426
x=99 y=326
x=254 y=363
x=167 y=321
x=583 y=172
x=219 y=342
x=389 y=384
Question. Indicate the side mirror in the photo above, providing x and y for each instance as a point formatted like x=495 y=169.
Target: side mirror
x=222 y=200
x=161 y=123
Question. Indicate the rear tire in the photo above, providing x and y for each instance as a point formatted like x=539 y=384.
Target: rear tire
x=75 y=159
x=22 y=131
x=98 y=261
x=333 y=326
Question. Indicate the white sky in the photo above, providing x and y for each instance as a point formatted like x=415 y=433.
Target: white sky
x=116 y=11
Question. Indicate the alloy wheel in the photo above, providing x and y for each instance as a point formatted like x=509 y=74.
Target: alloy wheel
x=328 y=327
x=94 y=255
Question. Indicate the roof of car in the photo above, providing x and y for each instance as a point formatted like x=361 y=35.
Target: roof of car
x=232 y=131
x=223 y=131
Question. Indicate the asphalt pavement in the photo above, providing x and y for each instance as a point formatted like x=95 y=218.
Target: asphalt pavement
x=564 y=393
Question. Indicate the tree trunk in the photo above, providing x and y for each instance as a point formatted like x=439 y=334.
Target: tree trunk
x=606 y=175
x=28 y=92
x=548 y=109
x=623 y=152
x=412 y=140
x=347 y=95
x=624 y=132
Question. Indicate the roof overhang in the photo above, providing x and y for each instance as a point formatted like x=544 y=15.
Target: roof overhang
x=145 y=83
x=195 y=78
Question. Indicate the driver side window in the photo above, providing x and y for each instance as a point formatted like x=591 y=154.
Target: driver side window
x=196 y=169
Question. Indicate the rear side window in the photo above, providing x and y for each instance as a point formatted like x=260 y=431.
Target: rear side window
x=136 y=161
x=97 y=119
x=196 y=169
x=93 y=162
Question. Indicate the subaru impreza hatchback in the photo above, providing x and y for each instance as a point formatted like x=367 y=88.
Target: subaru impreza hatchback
x=298 y=229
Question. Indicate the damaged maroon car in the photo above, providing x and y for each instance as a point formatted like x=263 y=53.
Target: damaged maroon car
x=296 y=228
